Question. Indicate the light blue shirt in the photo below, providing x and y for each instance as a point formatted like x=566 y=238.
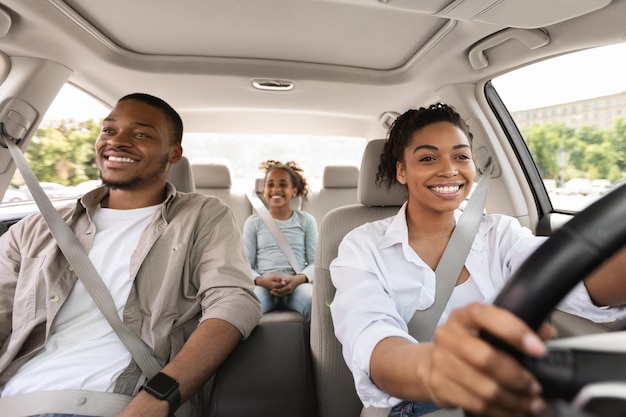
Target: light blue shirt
x=265 y=255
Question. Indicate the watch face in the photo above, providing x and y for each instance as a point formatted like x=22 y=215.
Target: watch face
x=162 y=383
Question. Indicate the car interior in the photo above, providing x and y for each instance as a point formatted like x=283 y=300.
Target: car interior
x=320 y=72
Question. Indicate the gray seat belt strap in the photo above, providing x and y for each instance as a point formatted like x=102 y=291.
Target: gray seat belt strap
x=79 y=260
x=277 y=234
x=423 y=323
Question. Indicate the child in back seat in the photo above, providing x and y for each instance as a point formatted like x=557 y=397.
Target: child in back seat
x=277 y=284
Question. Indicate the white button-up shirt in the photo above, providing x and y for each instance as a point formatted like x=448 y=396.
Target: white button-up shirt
x=381 y=282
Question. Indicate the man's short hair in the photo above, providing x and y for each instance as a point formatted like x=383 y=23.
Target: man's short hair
x=172 y=116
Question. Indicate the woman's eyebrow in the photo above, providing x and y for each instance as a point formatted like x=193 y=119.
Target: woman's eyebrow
x=430 y=147
x=434 y=148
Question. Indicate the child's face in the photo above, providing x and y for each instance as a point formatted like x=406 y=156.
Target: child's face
x=279 y=189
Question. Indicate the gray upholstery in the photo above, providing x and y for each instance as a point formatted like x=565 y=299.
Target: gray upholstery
x=211 y=175
x=336 y=396
x=213 y=178
x=181 y=176
x=371 y=194
x=339 y=188
x=340 y=176
x=267 y=375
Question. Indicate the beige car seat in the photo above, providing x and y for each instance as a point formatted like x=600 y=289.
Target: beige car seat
x=181 y=176
x=336 y=395
x=339 y=188
x=214 y=178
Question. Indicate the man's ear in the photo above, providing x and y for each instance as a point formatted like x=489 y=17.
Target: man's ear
x=176 y=154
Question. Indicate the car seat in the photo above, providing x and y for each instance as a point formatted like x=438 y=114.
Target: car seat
x=214 y=178
x=181 y=176
x=336 y=395
x=339 y=188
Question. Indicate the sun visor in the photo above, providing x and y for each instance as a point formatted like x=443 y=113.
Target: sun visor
x=526 y=14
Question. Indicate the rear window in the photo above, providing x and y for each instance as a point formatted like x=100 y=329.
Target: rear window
x=62 y=154
x=246 y=152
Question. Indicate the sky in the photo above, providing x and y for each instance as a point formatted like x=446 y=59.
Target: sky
x=562 y=79
x=71 y=102
x=559 y=81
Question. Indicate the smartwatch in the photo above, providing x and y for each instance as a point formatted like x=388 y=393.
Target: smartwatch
x=164 y=387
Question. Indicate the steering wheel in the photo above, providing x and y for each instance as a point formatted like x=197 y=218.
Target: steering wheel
x=567 y=257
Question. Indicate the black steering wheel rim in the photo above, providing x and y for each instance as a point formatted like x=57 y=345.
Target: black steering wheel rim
x=566 y=258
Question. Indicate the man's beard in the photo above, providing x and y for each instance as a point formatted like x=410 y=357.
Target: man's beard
x=138 y=181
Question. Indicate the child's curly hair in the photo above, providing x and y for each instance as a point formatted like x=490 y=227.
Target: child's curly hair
x=295 y=173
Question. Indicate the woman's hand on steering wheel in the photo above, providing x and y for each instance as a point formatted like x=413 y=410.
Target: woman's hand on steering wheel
x=469 y=372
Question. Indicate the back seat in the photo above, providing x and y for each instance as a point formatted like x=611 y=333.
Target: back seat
x=213 y=178
x=339 y=188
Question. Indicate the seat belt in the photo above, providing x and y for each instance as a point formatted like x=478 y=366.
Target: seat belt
x=77 y=257
x=424 y=322
x=277 y=234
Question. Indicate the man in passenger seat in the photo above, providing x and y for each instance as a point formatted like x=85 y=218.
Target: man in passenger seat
x=173 y=262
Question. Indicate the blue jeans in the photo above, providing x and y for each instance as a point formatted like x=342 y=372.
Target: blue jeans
x=299 y=300
x=412 y=409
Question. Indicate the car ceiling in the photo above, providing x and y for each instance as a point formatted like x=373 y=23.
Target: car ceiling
x=351 y=61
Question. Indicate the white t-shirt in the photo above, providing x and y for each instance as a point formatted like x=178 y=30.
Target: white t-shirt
x=381 y=281
x=83 y=352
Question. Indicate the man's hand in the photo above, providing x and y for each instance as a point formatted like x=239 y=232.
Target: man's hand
x=205 y=350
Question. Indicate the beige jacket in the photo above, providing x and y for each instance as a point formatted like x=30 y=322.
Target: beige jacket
x=188 y=267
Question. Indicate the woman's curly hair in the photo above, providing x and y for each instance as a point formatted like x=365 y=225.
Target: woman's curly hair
x=401 y=134
x=295 y=173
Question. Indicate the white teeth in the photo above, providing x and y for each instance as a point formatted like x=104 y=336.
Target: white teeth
x=120 y=159
x=446 y=190
x=277 y=196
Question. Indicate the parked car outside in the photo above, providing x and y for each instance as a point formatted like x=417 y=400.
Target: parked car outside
x=600 y=186
x=14 y=195
x=575 y=186
x=53 y=191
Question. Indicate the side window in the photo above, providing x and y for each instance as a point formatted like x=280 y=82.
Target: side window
x=61 y=153
x=571 y=111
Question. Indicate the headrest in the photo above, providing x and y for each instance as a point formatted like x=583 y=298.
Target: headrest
x=368 y=192
x=211 y=174
x=259 y=184
x=181 y=176
x=340 y=176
